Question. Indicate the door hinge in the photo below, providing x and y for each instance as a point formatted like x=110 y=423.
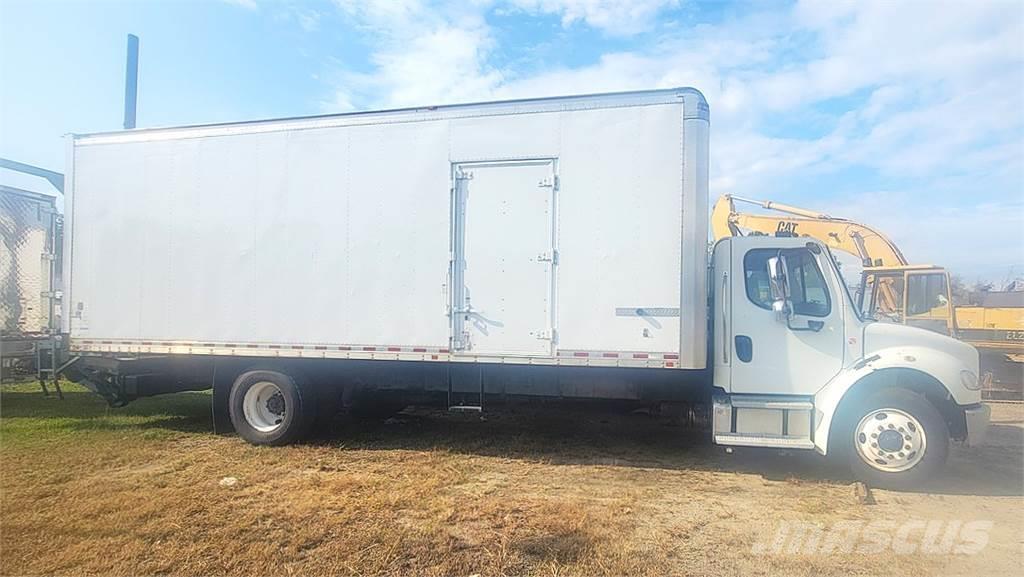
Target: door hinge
x=550 y=256
x=549 y=182
x=463 y=343
x=546 y=335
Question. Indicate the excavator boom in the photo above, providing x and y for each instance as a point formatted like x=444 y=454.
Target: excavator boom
x=873 y=247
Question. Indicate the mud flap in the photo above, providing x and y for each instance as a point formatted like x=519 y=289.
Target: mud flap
x=222 y=382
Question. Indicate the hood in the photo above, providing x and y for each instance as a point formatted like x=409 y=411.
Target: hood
x=879 y=335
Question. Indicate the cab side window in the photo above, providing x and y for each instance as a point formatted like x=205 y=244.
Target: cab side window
x=808 y=291
x=926 y=292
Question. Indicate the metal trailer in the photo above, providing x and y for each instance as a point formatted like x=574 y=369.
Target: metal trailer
x=544 y=233
x=30 y=268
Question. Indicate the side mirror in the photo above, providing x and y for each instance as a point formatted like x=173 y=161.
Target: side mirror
x=779 y=285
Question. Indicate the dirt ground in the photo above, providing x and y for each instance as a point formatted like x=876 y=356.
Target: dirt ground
x=148 y=489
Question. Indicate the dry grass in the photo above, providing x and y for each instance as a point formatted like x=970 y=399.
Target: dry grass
x=86 y=490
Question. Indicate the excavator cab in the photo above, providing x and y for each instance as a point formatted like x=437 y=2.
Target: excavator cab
x=917 y=296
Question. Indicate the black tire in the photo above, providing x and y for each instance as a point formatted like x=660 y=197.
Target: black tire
x=935 y=433
x=293 y=398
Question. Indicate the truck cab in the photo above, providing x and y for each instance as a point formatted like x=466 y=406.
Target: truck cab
x=797 y=367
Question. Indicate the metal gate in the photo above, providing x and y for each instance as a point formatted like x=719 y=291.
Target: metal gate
x=504 y=253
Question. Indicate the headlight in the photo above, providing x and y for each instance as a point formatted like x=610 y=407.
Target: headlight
x=969 y=379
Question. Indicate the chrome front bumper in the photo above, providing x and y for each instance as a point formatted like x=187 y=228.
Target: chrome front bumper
x=977 y=418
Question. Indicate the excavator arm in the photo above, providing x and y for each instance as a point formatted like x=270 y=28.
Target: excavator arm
x=871 y=246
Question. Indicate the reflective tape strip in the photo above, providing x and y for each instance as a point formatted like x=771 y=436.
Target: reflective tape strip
x=274 y=346
x=618 y=355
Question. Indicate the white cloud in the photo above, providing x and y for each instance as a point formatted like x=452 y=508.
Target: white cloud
x=612 y=16
x=425 y=54
x=291 y=11
x=309 y=20
x=882 y=100
x=247 y=4
x=340 y=101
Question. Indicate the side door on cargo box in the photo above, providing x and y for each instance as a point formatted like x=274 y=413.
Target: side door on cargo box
x=503 y=257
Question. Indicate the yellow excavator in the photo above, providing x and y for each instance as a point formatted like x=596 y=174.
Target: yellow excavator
x=891 y=289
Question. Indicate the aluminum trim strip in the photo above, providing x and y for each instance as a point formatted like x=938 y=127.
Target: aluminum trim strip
x=692 y=100
x=763 y=441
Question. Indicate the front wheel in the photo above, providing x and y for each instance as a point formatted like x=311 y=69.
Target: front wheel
x=895 y=439
x=270 y=408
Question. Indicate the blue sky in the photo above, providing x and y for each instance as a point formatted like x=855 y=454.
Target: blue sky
x=905 y=115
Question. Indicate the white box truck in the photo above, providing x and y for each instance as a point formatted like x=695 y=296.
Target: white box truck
x=467 y=254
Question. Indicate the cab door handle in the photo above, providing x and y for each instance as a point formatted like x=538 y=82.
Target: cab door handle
x=744 y=348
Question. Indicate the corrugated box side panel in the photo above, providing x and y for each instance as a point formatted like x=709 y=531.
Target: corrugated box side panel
x=333 y=235
x=619 y=225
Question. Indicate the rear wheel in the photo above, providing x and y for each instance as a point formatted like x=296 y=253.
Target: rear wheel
x=270 y=408
x=895 y=439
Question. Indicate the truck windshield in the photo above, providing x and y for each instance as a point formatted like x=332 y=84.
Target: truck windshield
x=846 y=286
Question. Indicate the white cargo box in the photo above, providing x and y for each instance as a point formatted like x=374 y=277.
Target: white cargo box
x=550 y=231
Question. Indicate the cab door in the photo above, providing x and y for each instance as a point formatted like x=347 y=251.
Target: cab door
x=768 y=353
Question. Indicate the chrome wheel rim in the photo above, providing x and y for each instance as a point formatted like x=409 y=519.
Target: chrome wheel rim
x=890 y=440
x=264 y=406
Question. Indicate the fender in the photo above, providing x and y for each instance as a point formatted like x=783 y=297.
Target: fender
x=943 y=367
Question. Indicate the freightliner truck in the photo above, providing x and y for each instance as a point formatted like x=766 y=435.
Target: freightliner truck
x=472 y=254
